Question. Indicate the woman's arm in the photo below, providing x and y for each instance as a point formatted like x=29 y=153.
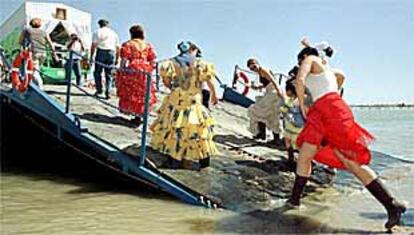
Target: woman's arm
x=93 y=48
x=21 y=37
x=124 y=62
x=49 y=41
x=305 y=42
x=212 y=89
x=70 y=44
x=304 y=70
x=340 y=77
x=267 y=75
x=52 y=47
x=81 y=44
x=152 y=55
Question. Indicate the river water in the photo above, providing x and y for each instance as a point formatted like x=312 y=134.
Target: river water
x=45 y=192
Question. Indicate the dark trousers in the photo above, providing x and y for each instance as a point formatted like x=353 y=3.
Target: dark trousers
x=206 y=98
x=76 y=68
x=106 y=57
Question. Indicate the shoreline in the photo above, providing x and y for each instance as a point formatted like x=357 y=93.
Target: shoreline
x=400 y=105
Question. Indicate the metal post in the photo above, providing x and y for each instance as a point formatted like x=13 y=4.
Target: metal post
x=68 y=71
x=157 y=77
x=4 y=59
x=24 y=70
x=236 y=67
x=145 y=121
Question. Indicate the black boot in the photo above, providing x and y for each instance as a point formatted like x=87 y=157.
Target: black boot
x=136 y=121
x=107 y=95
x=173 y=163
x=291 y=159
x=298 y=186
x=291 y=154
x=276 y=138
x=276 y=142
x=204 y=162
x=261 y=135
x=394 y=208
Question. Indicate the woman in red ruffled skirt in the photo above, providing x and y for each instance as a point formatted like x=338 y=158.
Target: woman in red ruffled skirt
x=137 y=56
x=331 y=135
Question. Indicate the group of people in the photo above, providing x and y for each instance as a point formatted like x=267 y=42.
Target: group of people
x=105 y=44
x=331 y=135
x=183 y=129
x=318 y=122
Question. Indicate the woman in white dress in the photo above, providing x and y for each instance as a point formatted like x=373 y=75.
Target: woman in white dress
x=264 y=114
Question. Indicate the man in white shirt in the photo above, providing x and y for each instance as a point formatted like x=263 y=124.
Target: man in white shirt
x=106 y=43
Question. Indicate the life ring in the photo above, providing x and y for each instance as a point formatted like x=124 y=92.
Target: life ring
x=22 y=85
x=243 y=76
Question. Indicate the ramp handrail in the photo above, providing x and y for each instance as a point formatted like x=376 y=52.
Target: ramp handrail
x=148 y=77
x=5 y=64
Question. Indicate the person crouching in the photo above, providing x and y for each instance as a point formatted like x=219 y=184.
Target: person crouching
x=293 y=120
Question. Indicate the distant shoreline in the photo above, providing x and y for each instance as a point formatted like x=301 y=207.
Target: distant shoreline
x=400 y=105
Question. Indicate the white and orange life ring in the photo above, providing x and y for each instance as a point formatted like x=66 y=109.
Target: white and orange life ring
x=22 y=85
x=244 y=82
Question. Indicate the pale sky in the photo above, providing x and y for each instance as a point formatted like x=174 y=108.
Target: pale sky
x=373 y=39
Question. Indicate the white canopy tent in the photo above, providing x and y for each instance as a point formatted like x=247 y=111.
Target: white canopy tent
x=51 y=14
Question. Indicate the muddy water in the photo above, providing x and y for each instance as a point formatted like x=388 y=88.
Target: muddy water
x=40 y=204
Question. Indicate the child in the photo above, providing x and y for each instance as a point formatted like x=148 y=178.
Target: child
x=293 y=119
x=75 y=44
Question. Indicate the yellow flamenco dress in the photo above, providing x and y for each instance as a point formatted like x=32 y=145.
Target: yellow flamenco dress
x=184 y=127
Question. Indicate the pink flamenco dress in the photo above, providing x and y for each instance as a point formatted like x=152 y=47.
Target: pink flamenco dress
x=131 y=85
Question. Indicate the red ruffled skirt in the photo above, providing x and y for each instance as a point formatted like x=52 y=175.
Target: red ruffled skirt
x=330 y=125
x=131 y=91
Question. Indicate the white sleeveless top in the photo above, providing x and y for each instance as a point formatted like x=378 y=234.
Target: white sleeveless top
x=321 y=84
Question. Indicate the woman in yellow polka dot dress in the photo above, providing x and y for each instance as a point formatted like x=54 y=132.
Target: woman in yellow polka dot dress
x=183 y=129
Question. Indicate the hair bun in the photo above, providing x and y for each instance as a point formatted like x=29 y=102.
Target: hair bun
x=328 y=51
x=183 y=47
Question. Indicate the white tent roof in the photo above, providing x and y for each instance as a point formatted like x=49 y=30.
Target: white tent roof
x=76 y=21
